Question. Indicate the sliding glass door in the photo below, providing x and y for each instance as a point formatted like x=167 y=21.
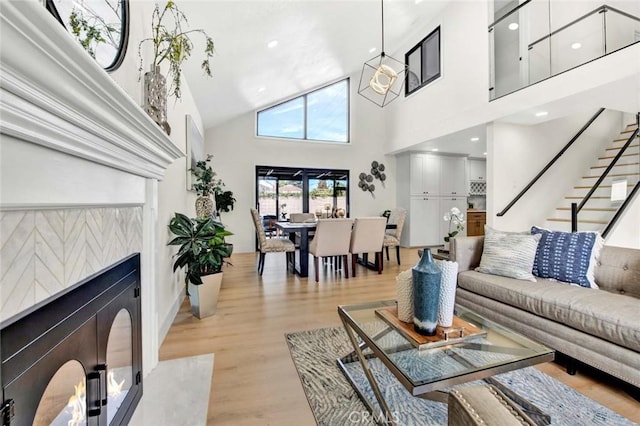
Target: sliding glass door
x=281 y=191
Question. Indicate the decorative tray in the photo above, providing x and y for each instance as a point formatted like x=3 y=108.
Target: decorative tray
x=459 y=332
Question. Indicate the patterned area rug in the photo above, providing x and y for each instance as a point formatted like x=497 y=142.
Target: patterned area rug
x=334 y=402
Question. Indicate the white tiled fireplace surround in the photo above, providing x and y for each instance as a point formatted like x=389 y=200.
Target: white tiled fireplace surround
x=79 y=166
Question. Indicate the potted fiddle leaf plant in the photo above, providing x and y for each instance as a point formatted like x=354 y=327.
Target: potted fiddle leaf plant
x=202 y=254
x=171 y=41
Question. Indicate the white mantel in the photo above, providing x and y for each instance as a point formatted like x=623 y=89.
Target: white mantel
x=73 y=144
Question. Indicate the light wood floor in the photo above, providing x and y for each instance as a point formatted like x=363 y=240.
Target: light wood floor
x=254 y=380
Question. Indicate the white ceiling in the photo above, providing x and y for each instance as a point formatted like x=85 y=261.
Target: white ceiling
x=319 y=41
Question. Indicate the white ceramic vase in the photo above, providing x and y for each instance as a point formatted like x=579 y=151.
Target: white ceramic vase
x=447 y=292
x=404 y=295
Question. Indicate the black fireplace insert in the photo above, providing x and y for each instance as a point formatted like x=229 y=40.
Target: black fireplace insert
x=76 y=358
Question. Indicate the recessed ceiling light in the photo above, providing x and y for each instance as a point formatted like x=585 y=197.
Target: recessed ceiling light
x=576 y=46
x=434 y=150
x=541 y=113
x=373 y=49
x=513 y=26
x=272 y=44
x=475 y=139
x=418 y=1
x=262 y=89
x=484 y=153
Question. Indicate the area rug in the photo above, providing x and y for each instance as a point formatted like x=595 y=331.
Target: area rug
x=176 y=392
x=334 y=402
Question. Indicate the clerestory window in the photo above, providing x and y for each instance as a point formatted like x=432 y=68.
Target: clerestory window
x=321 y=115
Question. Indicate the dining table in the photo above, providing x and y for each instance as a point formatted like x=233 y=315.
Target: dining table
x=301 y=265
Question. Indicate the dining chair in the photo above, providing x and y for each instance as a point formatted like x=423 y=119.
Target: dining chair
x=367 y=236
x=271 y=245
x=332 y=238
x=392 y=236
x=301 y=217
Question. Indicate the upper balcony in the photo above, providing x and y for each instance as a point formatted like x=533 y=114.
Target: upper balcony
x=538 y=39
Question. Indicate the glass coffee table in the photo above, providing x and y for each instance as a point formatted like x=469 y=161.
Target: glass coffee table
x=483 y=349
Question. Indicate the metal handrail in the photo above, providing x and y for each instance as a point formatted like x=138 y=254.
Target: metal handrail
x=621 y=209
x=575 y=208
x=550 y=163
x=603 y=176
x=511 y=12
x=600 y=9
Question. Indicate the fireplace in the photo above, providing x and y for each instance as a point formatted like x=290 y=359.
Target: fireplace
x=76 y=358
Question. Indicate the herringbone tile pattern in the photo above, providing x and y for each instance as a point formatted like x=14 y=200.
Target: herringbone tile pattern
x=45 y=251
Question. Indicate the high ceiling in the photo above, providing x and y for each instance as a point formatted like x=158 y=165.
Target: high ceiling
x=318 y=41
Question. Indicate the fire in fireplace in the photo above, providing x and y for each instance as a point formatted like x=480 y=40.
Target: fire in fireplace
x=76 y=359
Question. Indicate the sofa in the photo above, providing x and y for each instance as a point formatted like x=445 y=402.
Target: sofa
x=599 y=327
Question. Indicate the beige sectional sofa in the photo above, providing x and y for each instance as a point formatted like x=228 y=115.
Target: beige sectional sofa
x=600 y=327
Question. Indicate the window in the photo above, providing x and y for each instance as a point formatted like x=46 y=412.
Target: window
x=424 y=62
x=319 y=115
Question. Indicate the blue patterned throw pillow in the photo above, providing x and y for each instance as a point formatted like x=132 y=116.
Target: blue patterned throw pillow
x=566 y=256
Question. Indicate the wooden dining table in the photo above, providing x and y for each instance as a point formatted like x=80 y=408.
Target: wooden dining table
x=301 y=266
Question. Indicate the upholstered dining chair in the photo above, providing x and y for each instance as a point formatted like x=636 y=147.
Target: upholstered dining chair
x=301 y=217
x=271 y=245
x=392 y=236
x=332 y=238
x=367 y=236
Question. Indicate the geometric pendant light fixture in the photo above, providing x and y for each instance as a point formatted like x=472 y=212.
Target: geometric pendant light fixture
x=382 y=77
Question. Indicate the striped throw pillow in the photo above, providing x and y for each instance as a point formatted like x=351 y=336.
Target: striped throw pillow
x=509 y=255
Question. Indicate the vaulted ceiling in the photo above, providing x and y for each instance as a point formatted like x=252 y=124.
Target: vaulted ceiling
x=317 y=41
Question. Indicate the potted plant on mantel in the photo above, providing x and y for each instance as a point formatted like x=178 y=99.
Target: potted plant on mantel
x=171 y=44
x=202 y=252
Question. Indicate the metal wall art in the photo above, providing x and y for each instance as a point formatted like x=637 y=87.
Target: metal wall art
x=377 y=172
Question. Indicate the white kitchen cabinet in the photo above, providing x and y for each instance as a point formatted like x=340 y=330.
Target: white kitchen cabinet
x=477 y=170
x=445 y=206
x=424 y=174
x=453 y=176
x=427 y=186
x=423 y=217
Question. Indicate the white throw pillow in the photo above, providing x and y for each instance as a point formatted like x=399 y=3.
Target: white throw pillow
x=509 y=255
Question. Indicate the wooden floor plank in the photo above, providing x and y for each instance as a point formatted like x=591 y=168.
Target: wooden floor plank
x=254 y=380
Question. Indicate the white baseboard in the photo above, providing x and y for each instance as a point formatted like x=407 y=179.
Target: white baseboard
x=168 y=320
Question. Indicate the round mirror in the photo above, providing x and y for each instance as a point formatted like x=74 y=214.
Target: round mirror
x=100 y=26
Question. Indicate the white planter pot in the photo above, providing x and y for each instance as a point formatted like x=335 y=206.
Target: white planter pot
x=204 y=297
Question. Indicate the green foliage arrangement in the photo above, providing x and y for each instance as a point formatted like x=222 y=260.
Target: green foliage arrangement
x=207 y=184
x=202 y=246
x=172 y=44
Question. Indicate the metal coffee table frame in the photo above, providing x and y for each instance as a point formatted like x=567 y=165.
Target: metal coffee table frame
x=528 y=353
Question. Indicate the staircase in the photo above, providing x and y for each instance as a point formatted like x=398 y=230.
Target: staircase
x=599 y=210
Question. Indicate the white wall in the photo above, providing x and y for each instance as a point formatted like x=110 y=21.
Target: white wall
x=439 y=108
x=172 y=194
x=237 y=151
x=460 y=98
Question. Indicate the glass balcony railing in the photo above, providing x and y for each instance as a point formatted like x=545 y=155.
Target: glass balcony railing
x=540 y=38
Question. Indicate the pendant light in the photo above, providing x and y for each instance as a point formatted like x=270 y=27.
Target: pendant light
x=382 y=76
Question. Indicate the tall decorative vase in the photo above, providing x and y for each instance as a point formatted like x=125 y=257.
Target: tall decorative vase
x=426 y=294
x=447 y=292
x=404 y=296
x=155 y=98
x=204 y=206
